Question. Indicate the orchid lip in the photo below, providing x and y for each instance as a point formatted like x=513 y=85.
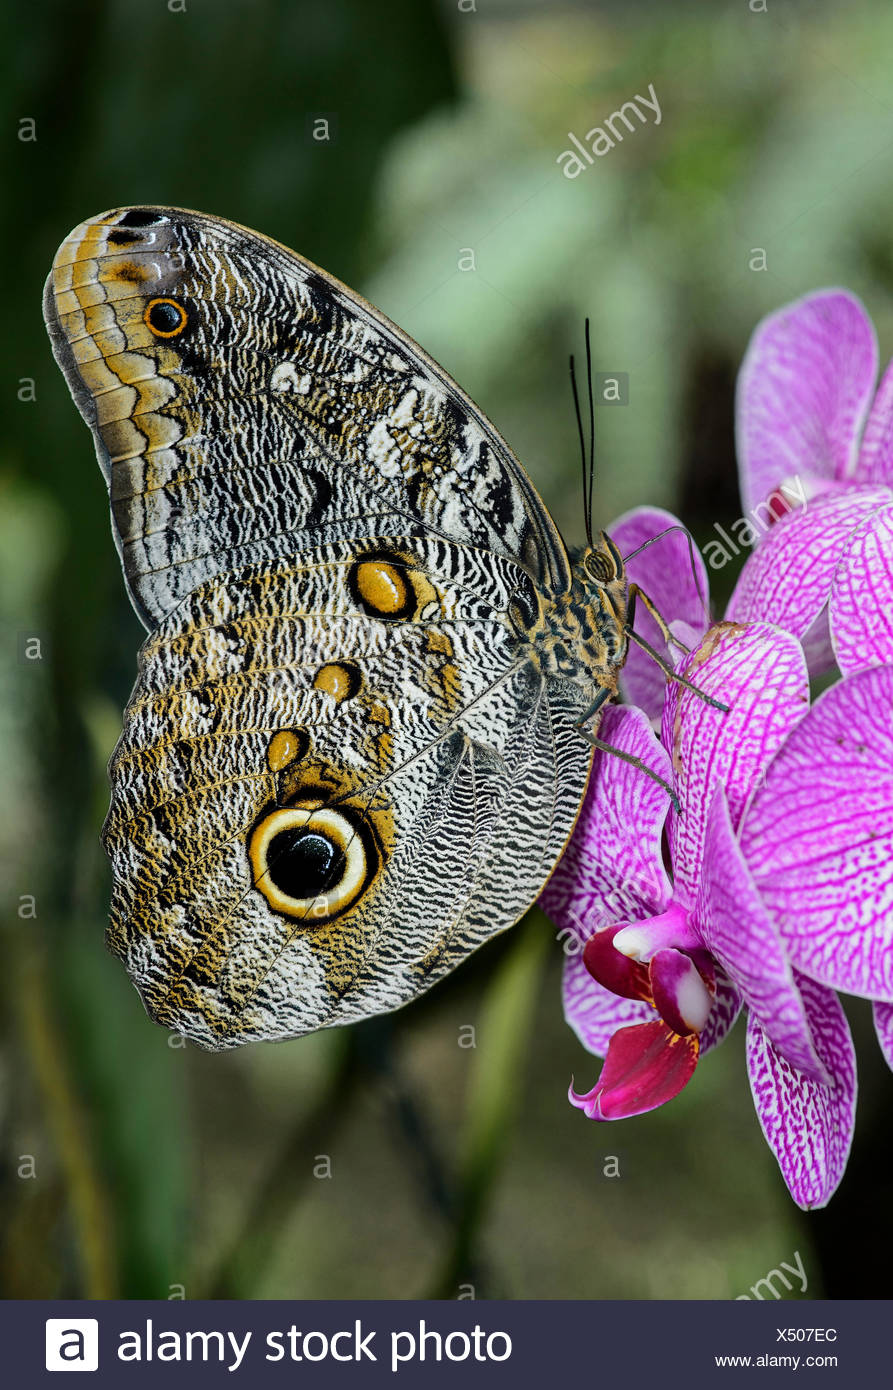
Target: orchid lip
x=680 y=995
x=647 y=1064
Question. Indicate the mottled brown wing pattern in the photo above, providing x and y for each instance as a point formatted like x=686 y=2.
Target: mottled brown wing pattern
x=433 y=747
x=343 y=767
x=245 y=405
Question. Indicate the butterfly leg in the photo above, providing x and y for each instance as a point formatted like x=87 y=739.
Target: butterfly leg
x=604 y=695
x=633 y=761
x=636 y=593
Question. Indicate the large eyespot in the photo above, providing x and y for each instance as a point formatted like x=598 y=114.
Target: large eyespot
x=165 y=317
x=311 y=862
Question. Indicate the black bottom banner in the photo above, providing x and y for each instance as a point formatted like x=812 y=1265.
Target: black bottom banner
x=420 y=1344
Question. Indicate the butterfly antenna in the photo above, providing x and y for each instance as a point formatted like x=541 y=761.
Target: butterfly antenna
x=582 y=447
x=691 y=559
x=591 y=436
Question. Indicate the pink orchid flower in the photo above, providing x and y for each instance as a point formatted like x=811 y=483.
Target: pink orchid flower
x=824 y=573
x=815 y=461
x=669 y=948
x=807 y=412
x=771 y=886
x=861 y=627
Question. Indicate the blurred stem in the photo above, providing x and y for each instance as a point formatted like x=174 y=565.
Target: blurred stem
x=495 y=1094
x=241 y=1265
x=88 y=1205
x=410 y=1122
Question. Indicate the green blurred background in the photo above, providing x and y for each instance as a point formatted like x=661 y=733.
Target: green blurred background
x=388 y=1160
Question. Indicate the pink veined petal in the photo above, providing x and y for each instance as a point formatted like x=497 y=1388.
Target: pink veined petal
x=807 y=1125
x=645 y=1067
x=803 y=391
x=592 y=1011
x=760 y=673
x=862 y=597
x=612 y=869
x=817 y=647
x=672 y=573
x=737 y=930
x=788 y=578
x=875 y=461
x=883 y=1024
x=818 y=837
x=723 y=1014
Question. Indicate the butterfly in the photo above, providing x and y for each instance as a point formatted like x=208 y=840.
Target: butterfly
x=368 y=700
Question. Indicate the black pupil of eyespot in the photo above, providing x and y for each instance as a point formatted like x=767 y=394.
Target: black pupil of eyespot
x=302 y=863
x=165 y=317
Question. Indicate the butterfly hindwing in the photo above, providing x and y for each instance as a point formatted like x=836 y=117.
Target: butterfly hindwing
x=341 y=769
x=430 y=748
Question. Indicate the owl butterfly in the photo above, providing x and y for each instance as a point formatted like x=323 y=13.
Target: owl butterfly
x=357 y=743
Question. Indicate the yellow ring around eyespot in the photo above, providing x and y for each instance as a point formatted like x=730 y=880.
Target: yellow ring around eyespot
x=323 y=907
x=159 y=332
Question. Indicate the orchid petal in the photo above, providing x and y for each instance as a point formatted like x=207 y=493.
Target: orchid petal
x=737 y=930
x=723 y=1013
x=817 y=646
x=818 y=837
x=672 y=573
x=788 y=578
x=760 y=673
x=607 y=873
x=883 y=1024
x=807 y=1125
x=645 y=1067
x=875 y=461
x=593 y=1012
x=862 y=597
x=803 y=392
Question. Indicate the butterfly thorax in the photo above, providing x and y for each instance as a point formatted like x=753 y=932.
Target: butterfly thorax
x=581 y=632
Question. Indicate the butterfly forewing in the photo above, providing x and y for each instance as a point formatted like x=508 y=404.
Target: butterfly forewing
x=245 y=405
